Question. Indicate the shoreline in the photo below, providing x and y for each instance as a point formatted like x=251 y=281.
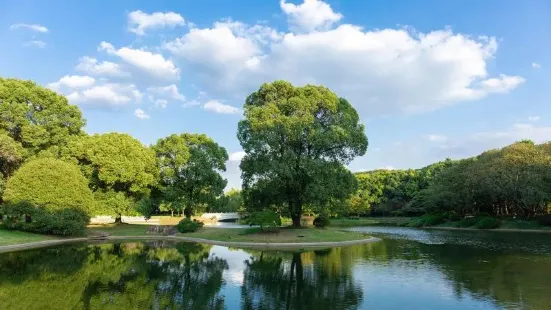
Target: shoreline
x=250 y=245
x=490 y=230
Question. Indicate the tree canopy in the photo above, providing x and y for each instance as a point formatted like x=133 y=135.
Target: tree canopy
x=190 y=166
x=119 y=168
x=297 y=140
x=37 y=117
x=50 y=183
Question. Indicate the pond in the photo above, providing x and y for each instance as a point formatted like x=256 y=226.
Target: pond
x=408 y=269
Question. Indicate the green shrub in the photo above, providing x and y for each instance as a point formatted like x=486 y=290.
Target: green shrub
x=545 y=220
x=433 y=219
x=416 y=222
x=487 y=223
x=25 y=216
x=264 y=219
x=51 y=184
x=321 y=221
x=187 y=225
x=467 y=222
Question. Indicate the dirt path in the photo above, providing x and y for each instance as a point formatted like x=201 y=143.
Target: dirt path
x=256 y=245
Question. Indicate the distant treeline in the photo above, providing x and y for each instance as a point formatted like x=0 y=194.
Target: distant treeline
x=512 y=181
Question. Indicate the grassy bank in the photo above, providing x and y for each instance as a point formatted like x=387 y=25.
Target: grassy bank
x=8 y=237
x=283 y=235
x=370 y=221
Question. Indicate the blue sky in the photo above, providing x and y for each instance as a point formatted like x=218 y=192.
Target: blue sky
x=430 y=79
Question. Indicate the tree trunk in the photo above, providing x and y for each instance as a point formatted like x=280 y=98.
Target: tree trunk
x=296 y=220
x=187 y=212
x=171 y=213
x=118 y=219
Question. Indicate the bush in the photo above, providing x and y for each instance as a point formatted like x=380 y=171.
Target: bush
x=467 y=222
x=545 y=220
x=487 y=223
x=51 y=184
x=321 y=221
x=187 y=225
x=25 y=216
x=264 y=219
x=433 y=219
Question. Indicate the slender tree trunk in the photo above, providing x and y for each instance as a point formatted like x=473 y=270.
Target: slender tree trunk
x=188 y=211
x=171 y=213
x=118 y=219
x=296 y=213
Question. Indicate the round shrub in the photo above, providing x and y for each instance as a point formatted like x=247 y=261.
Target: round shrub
x=51 y=184
x=433 y=219
x=321 y=221
x=467 y=222
x=187 y=225
x=487 y=223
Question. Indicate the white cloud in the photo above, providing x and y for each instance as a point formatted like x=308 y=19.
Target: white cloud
x=237 y=156
x=72 y=81
x=534 y=119
x=380 y=72
x=170 y=91
x=386 y=168
x=33 y=27
x=436 y=138
x=153 y=64
x=35 y=43
x=106 y=95
x=139 y=22
x=161 y=103
x=191 y=103
x=310 y=15
x=218 y=107
x=139 y=113
x=105 y=68
x=536 y=65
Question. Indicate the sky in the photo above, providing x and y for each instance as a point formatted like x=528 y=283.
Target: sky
x=429 y=79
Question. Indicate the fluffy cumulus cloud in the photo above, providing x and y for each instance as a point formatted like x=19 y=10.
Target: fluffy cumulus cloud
x=170 y=92
x=237 y=156
x=218 y=107
x=384 y=71
x=310 y=15
x=106 y=95
x=92 y=66
x=72 y=81
x=139 y=22
x=35 y=43
x=139 y=113
x=156 y=65
x=33 y=27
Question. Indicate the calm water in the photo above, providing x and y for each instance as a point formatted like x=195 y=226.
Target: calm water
x=409 y=269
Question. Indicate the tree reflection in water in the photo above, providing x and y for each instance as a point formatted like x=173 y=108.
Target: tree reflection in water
x=309 y=280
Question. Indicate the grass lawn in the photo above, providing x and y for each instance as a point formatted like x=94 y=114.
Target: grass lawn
x=369 y=221
x=9 y=237
x=243 y=234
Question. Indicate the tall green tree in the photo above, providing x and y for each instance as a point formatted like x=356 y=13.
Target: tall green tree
x=120 y=169
x=190 y=166
x=37 y=117
x=297 y=141
x=11 y=156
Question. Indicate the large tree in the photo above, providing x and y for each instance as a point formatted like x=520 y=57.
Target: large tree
x=190 y=166
x=120 y=169
x=297 y=141
x=37 y=117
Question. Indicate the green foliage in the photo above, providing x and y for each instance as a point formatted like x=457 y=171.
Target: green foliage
x=467 y=222
x=25 y=216
x=487 y=222
x=322 y=221
x=50 y=183
x=545 y=220
x=119 y=168
x=188 y=225
x=297 y=140
x=36 y=117
x=190 y=166
x=266 y=218
x=11 y=155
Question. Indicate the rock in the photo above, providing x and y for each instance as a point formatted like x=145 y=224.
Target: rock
x=161 y=230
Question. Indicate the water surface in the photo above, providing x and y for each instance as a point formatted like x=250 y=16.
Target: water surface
x=408 y=269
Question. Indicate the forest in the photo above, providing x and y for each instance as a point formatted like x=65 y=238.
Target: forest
x=298 y=142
